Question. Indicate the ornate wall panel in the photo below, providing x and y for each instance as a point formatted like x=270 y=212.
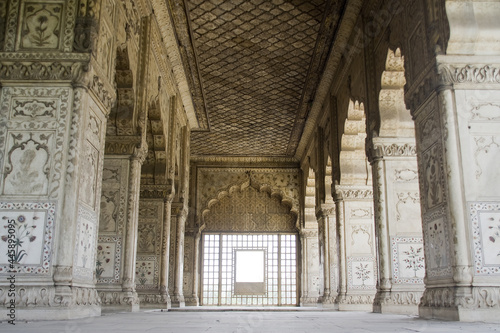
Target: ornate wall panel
x=147 y=271
x=33 y=223
x=436 y=226
x=40 y=26
x=90 y=185
x=108 y=262
x=86 y=244
x=408 y=264
x=485 y=225
x=32 y=138
x=112 y=220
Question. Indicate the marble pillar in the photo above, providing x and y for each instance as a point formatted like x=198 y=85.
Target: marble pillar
x=358 y=262
x=178 y=290
x=329 y=253
x=398 y=225
x=458 y=128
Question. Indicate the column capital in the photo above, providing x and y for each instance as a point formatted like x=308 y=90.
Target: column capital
x=346 y=192
x=466 y=71
x=325 y=209
x=382 y=147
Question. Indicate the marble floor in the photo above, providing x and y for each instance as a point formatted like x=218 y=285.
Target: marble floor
x=238 y=321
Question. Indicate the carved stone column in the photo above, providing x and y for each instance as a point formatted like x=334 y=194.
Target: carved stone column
x=165 y=253
x=357 y=241
x=311 y=273
x=191 y=241
x=328 y=253
x=51 y=152
x=458 y=127
x=152 y=262
x=398 y=225
x=178 y=294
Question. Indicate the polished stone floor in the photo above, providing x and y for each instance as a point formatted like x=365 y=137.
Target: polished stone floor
x=247 y=322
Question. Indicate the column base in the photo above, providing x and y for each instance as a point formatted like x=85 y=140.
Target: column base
x=467 y=304
x=119 y=301
x=397 y=302
x=192 y=301
x=309 y=301
x=330 y=302
x=356 y=302
x=50 y=303
x=155 y=301
x=178 y=301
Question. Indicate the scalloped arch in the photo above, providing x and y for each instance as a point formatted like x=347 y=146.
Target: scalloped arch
x=240 y=188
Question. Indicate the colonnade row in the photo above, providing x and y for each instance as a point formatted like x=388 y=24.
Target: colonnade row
x=94 y=139
x=399 y=153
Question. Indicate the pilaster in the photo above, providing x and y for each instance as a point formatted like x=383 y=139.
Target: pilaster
x=312 y=287
x=178 y=292
x=328 y=244
x=398 y=225
x=358 y=262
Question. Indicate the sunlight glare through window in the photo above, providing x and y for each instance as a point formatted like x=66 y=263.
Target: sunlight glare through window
x=249 y=266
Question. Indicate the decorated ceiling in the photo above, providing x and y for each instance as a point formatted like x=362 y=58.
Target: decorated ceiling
x=253 y=68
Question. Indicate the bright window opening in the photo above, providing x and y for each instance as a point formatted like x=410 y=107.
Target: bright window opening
x=252 y=269
x=249 y=266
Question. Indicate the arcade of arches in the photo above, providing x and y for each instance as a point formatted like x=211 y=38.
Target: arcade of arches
x=148 y=148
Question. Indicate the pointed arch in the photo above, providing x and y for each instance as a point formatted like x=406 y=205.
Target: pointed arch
x=248 y=207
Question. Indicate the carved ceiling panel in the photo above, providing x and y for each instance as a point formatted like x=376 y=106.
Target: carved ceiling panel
x=257 y=63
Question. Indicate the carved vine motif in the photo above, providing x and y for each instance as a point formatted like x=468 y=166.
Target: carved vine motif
x=404 y=198
x=483 y=146
x=55 y=70
x=35 y=108
x=364 y=229
x=405 y=175
x=486 y=111
x=398 y=150
x=469 y=74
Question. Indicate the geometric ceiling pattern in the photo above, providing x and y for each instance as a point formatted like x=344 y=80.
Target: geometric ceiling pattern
x=258 y=64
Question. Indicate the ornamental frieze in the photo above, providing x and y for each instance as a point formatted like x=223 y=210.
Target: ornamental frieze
x=482 y=74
